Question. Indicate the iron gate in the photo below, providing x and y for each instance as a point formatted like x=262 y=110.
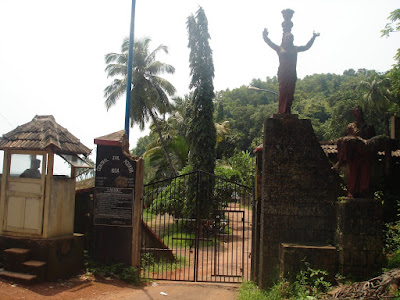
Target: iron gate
x=197 y=227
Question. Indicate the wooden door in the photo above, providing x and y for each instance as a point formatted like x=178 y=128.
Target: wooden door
x=25 y=196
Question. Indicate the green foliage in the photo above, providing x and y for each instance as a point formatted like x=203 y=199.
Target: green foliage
x=394 y=73
x=249 y=291
x=141 y=145
x=392 y=238
x=227 y=172
x=393 y=259
x=326 y=99
x=177 y=200
x=341 y=116
x=202 y=133
x=119 y=271
x=151 y=91
x=148 y=215
x=174 y=199
x=244 y=163
x=392 y=231
x=309 y=284
x=178 y=149
x=393 y=17
x=146 y=260
x=150 y=96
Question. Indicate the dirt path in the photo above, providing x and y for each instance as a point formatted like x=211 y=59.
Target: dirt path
x=87 y=288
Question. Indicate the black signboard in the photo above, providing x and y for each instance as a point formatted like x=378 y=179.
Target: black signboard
x=113 y=168
x=114 y=187
x=114 y=206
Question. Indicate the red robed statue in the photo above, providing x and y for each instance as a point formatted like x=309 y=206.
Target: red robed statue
x=287 y=53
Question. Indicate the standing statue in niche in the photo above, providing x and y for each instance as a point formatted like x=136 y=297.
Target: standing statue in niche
x=287 y=53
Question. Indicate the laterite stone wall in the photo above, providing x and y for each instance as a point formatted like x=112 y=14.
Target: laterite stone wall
x=299 y=192
x=359 y=237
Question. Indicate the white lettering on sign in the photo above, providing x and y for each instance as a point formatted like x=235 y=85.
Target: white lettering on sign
x=128 y=165
x=101 y=164
x=114 y=170
x=115 y=157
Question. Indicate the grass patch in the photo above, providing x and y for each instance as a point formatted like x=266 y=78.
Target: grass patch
x=148 y=215
x=249 y=291
x=182 y=235
x=180 y=240
x=150 y=264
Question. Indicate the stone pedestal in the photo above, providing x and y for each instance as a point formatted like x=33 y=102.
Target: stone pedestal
x=299 y=192
x=359 y=237
x=319 y=257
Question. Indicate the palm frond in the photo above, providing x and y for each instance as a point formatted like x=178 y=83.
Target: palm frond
x=125 y=45
x=158 y=67
x=114 y=91
x=116 y=69
x=151 y=57
x=111 y=57
x=163 y=84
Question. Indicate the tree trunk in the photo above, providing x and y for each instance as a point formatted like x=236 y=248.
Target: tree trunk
x=163 y=144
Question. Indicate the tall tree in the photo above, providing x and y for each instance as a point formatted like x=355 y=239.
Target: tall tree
x=150 y=92
x=202 y=134
x=394 y=73
x=201 y=130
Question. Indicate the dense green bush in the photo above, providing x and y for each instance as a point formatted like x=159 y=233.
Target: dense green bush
x=177 y=200
x=309 y=284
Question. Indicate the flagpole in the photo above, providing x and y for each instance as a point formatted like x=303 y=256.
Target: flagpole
x=129 y=78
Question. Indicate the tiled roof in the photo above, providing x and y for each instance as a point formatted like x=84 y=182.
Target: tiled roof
x=112 y=139
x=40 y=133
x=331 y=148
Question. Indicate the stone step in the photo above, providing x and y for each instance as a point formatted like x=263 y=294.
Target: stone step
x=35 y=267
x=34 y=263
x=17 y=251
x=14 y=257
x=21 y=277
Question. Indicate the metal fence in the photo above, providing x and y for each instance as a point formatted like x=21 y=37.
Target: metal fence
x=197 y=227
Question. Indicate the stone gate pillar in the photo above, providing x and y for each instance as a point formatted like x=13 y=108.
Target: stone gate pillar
x=299 y=192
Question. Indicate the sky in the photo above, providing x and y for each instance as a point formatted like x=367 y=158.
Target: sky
x=52 y=51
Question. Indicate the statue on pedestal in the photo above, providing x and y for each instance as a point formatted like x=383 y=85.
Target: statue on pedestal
x=287 y=53
x=356 y=150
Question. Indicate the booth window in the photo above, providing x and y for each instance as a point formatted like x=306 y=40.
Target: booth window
x=26 y=166
x=63 y=163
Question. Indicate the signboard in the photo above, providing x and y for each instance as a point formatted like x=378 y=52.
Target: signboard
x=113 y=168
x=114 y=206
x=114 y=187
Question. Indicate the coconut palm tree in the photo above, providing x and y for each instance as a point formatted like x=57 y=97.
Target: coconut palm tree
x=376 y=93
x=175 y=135
x=149 y=97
